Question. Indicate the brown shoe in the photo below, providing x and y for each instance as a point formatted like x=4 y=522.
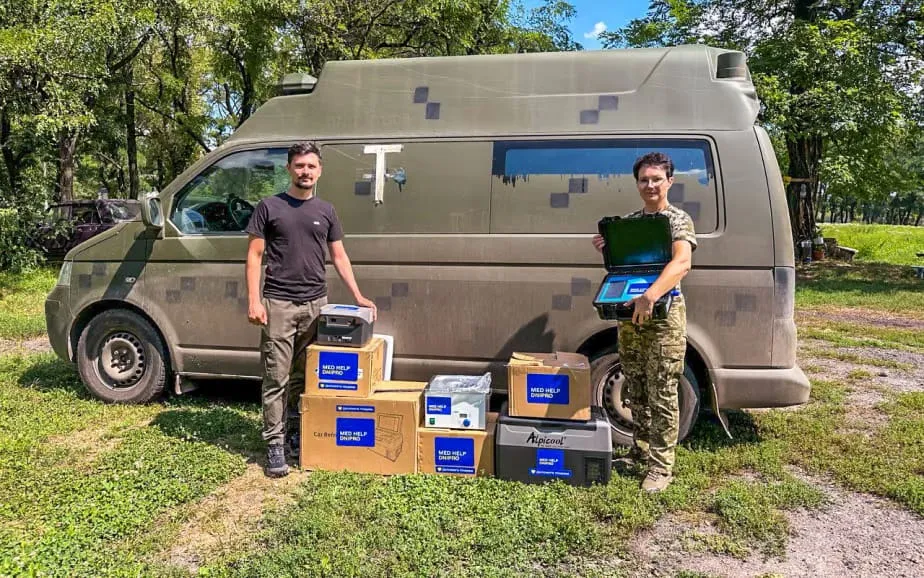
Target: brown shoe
x=656 y=482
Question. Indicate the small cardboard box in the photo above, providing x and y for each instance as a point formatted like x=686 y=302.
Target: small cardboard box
x=549 y=385
x=375 y=435
x=334 y=371
x=457 y=452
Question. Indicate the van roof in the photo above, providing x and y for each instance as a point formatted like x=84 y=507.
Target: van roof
x=689 y=87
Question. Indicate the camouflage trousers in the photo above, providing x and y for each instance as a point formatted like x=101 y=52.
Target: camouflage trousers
x=652 y=362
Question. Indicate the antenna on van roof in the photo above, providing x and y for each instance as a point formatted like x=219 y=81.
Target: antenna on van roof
x=297 y=83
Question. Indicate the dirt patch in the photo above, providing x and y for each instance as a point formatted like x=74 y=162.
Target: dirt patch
x=225 y=521
x=881 y=379
x=854 y=535
x=862 y=317
x=25 y=346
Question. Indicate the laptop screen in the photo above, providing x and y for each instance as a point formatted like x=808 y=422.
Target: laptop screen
x=638 y=241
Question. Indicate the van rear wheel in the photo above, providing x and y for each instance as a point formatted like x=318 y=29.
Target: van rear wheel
x=609 y=392
x=121 y=358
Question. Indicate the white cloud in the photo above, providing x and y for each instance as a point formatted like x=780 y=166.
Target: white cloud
x=599 y=28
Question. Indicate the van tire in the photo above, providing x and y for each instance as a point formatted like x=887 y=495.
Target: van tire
x=121 y=358
x=606 y=376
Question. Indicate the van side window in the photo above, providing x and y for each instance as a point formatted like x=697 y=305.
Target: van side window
x=222 y=198
x=566 y=186
x=430 y=187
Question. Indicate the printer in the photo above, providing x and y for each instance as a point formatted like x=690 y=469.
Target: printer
x=345 y=325
x=636 y=250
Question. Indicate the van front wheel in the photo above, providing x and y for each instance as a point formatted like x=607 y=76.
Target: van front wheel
x=121 y=358
x=609 y=392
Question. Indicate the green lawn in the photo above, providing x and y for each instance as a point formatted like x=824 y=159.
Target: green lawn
x=870 y=286
x=894 y=244
x=22 y=302
x=94 y=490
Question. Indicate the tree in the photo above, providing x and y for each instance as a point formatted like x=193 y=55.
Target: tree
x=836 y=80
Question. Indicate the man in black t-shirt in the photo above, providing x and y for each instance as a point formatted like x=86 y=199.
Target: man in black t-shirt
x=291 y=229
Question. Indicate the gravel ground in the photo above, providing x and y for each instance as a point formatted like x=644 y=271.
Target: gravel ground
x=854 y=535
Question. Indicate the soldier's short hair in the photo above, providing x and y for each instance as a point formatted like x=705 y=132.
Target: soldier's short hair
x=303 y=148
x=653 y=159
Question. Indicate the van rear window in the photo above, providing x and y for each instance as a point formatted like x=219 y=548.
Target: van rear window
x=566 y=186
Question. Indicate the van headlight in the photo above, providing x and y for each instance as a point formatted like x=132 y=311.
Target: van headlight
x=64 y=277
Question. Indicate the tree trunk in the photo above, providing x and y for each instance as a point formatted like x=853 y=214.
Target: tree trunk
x=804 y=155
x=67 y=149
x=131 y=134
x=9 y=158
x=853 y=207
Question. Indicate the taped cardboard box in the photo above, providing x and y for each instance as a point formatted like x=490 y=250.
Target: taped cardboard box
x=375 y=435
x=457 y=452
x=335 y=371
x=549 y=385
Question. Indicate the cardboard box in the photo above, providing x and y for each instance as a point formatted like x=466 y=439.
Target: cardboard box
x=457 y=452
x=375 y=435
x=335 y=371
x=549 y=385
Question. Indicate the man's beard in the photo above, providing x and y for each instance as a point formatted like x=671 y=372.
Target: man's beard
x=299 y=185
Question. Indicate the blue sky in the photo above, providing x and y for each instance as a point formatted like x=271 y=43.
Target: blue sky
x=613 y=14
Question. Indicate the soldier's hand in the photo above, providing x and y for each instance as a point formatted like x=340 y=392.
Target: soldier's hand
x=644 y=306
x=598 y=243
x=256 y=314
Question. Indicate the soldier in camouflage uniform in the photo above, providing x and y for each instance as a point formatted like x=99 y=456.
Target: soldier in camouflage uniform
x=652 y=350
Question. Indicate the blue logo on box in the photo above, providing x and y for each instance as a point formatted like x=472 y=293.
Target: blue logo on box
x=338 y=365
x=355 y=431
x=338 y=386
x=356 y=408
x=550 y=464
x=454 y=455
x=547 y=388
x=439 y=405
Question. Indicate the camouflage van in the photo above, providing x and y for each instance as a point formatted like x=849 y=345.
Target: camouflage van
x=469 y=189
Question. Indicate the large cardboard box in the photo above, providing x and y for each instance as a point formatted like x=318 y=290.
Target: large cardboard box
x=336 y=371
x=457 y=452
x=549 y=385
x=376 y=435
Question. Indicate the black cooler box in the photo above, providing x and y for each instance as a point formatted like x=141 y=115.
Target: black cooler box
x=535 y=451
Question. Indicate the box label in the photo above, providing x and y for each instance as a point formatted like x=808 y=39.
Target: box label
x=439 y=405
x=338 y=386
x=355 y=431
x=454 y=455
x=550 y=464
x=356 y=408
x=547 y=388
x=338 y=365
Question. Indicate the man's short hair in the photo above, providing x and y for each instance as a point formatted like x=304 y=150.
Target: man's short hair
x=655 y=159
x=303 y=148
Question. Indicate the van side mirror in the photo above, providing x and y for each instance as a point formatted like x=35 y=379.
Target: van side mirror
x=151 y=213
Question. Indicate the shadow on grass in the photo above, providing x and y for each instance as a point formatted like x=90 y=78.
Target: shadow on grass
x=224 y=427
x=856 y=277
x=53 y=374
x=708 y=434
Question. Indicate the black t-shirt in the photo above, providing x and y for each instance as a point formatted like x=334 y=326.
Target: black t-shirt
x=295 y=232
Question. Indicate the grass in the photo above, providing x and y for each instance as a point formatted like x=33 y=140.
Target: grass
x=894 y=244
x=844 y=334
x=63 y=506
x=885 y=288
x=94 y=489
x=856 y=359
x=22 y=302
